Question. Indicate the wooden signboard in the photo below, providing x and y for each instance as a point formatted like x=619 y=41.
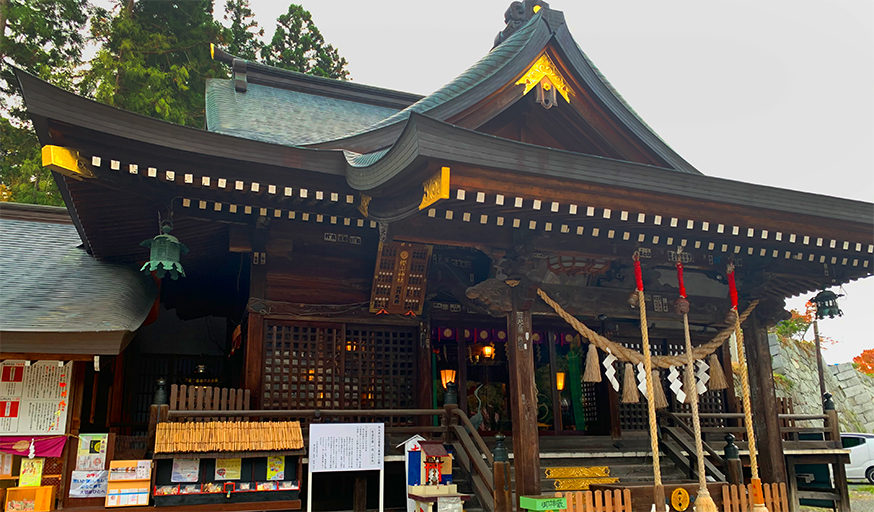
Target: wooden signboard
x=400 y=278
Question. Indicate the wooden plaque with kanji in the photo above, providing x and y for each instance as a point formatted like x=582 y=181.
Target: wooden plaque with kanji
x=400 y=278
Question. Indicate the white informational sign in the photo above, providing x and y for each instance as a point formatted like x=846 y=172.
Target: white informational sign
x=346 y=447
x=33 y=399
x=88 y=484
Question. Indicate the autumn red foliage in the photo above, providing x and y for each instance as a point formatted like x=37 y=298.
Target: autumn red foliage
x=865 y=361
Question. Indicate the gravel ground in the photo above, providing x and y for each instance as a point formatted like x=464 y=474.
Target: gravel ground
x=862 y=498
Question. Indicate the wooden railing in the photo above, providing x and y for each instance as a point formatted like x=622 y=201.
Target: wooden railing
x=471 y=452
x=207 y=398
x=675 y=428
x=597 y=501
x=738 y=498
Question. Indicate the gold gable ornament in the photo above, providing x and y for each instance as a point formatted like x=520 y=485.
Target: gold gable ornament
x=544 y=75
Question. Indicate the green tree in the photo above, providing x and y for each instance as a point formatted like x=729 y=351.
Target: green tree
x=244 y=37
x=154 y=58
x=44 y=38
x=298 y=45
x=23 y=179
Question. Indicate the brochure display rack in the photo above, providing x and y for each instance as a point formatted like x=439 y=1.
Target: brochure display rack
x=128 y=484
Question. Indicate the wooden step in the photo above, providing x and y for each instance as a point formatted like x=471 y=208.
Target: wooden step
x=576 y=472
x=580 y=484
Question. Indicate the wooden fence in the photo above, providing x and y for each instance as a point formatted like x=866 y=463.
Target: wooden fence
x=205 y=398
x=597 y=501
x=738 y=498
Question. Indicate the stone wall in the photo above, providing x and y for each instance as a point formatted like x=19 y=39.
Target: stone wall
x=795 y=376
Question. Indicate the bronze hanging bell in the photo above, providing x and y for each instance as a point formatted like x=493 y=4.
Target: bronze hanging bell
x=681 y=306
x=731 y=316
x=634 y=300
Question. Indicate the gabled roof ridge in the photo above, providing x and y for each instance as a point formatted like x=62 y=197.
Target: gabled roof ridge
x=568 y=44
x=496 y=58
x=280 y=78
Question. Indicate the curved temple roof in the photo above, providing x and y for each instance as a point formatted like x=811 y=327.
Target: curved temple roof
x=369 y=129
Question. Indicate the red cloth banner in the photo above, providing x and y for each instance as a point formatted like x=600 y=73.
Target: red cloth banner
x=45 y=446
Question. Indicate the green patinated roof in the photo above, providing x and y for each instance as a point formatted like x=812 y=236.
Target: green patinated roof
x=50 y=284
x=473 y=76
x=285 y=117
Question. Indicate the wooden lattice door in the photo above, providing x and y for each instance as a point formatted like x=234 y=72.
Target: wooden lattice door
x=337 y=366
x=302 y=366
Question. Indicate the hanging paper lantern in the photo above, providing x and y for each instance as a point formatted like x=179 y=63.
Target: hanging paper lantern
x=447 y=376
x=165 y=250
x=559 y=380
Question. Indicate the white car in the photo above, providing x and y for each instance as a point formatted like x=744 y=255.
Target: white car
x=861 y=448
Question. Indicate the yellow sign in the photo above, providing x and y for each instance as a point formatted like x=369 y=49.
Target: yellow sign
x=31 y=472
x=680 y=499
x=228 y=469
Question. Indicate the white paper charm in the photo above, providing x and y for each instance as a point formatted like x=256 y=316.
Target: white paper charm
x=609 y=371
x=641 y=378
x=676 y=386
x=702 y=375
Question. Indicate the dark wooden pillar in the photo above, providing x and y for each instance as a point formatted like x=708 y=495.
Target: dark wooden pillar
x=555 y=393
x=526 y=443
x=255 y=331
x=254 y=358
x=425 y=392
x=461 y=373
x=772 y=466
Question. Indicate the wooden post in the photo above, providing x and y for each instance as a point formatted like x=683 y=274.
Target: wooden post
x=772 y=465
x=526 y=443
x=839 y=470
x=503 y=494
x=116 y=394
x=449 y=419
x=733 y=466
x=556 y=394
x=153 y=429
x=461 y=373
x=818 y=357
x=359 y=493
x=424 y=379
x=254 y=357
x=792 y=481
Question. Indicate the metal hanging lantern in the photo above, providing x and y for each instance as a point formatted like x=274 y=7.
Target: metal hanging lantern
x=827 y=304
x=165 y=250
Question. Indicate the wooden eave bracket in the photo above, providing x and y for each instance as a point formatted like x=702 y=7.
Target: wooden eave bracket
x=435 y=188
x=65 y=161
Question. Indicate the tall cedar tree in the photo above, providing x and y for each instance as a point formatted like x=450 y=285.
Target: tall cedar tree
x=298 y=45
x=154 y=58
x=44 y=38
x=244 y=35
